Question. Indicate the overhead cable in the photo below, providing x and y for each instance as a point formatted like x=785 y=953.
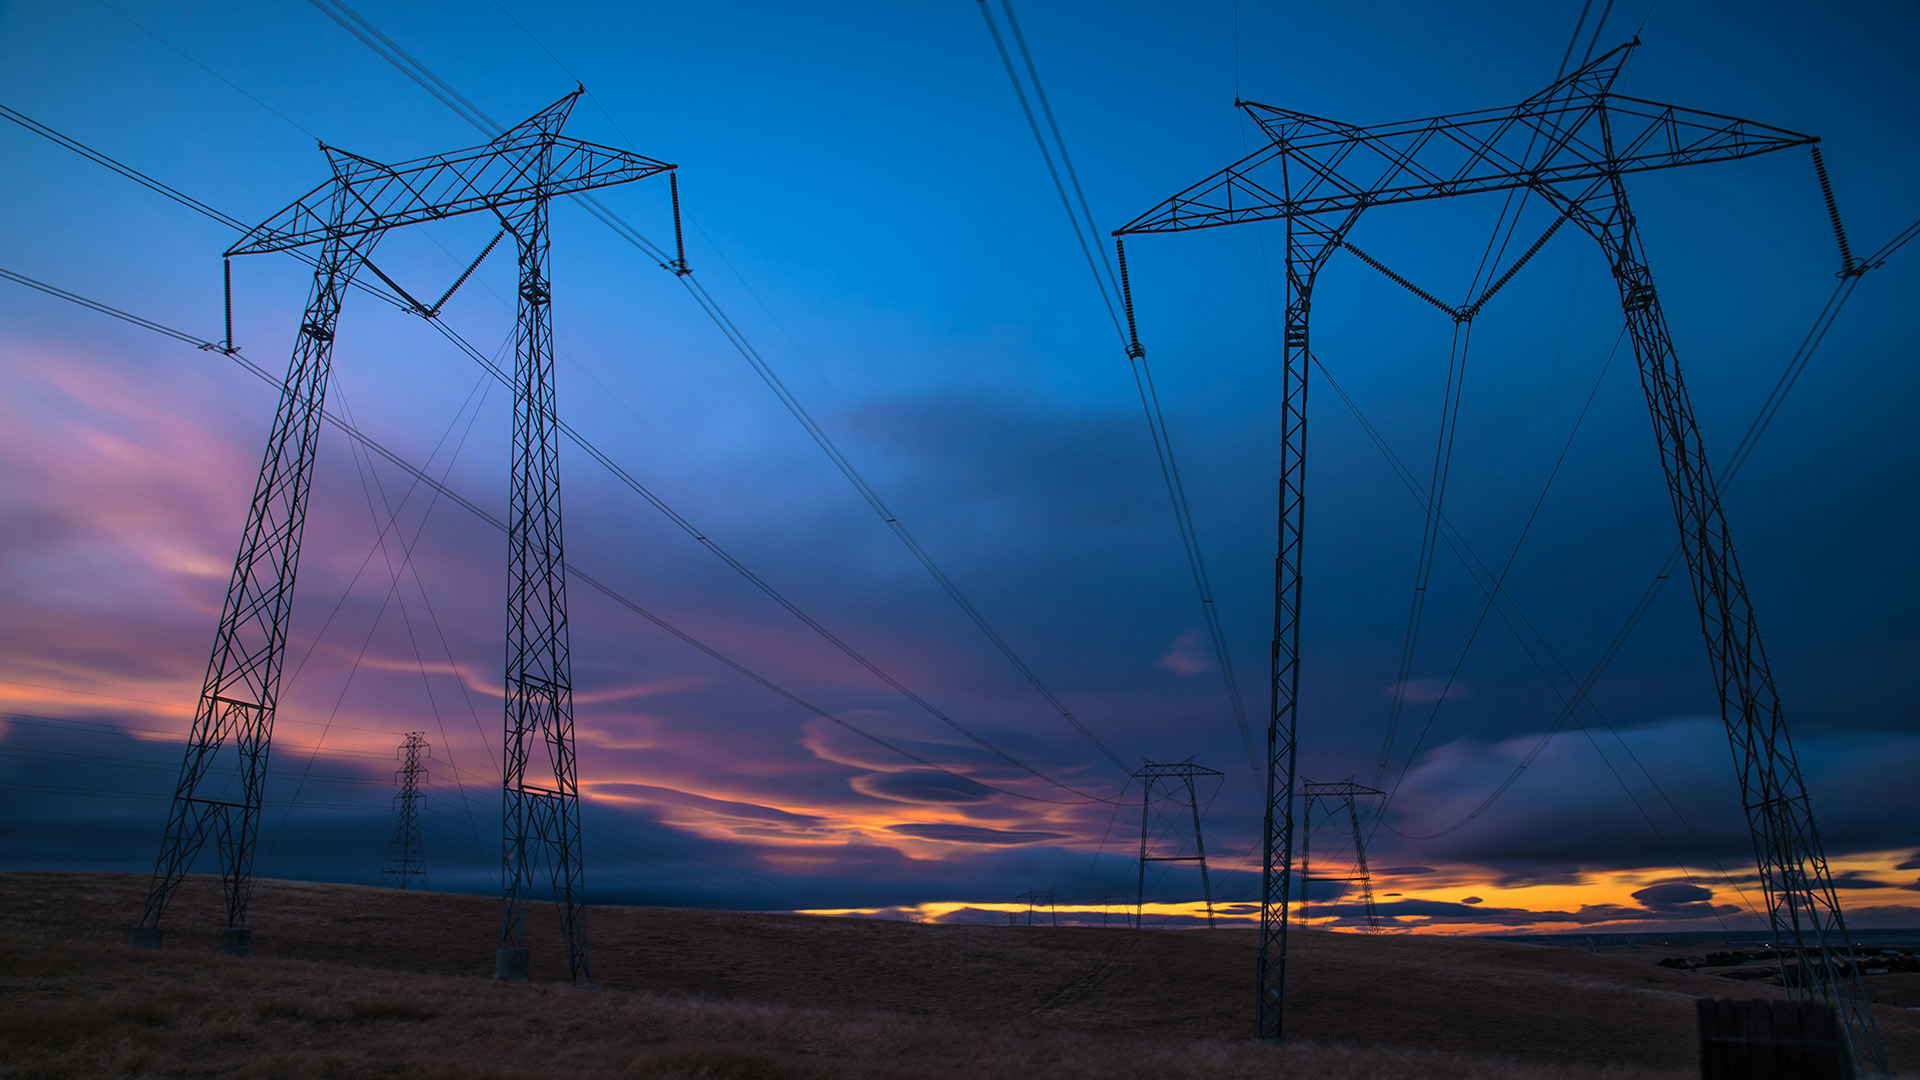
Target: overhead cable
x=1112 y=287
x=424 y=77
x=1494 y=588
x=583 y=443
x=573 y=571
x=1768 y=409
x=1429 y=533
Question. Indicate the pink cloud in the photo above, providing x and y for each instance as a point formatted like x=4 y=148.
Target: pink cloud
x=1185 y=657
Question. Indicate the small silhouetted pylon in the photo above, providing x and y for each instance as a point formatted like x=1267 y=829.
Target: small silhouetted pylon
x=1344 y=793
x=406 y=864
x=1038 y=898
x=1122 y=901
x=1178 y=775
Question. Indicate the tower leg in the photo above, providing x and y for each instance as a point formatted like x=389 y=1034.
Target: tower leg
x=1360 y=866
x=1808 y=926
x=1146 y=806
x=1309 y=242
x=1276 y=870
x=1306 y=858
x=541 y=815
x=242 y=685
x=1200 y=848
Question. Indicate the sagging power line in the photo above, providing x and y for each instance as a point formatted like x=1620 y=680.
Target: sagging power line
x=1112 y=293
x=398 y=299
x=382 y=46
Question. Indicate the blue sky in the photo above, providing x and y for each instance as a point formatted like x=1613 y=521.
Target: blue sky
x=863 y=196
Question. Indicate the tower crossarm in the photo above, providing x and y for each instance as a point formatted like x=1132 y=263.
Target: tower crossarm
x=500 y=174
x=1573 y=131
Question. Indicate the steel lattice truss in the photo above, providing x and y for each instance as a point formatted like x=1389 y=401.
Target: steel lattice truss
x=1174 y=777
x=1035 y=899
x=407 y=851
x=1575 y=132
x=511 y=177
x=1345 y=794
x=1571 y=144
x=524 y=164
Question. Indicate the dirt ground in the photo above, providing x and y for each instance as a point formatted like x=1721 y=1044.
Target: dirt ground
x=1115 y=1002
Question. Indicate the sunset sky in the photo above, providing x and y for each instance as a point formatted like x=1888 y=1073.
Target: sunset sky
x=865 y=200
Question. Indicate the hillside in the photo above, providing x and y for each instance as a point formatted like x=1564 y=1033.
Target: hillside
x=1075 y=1001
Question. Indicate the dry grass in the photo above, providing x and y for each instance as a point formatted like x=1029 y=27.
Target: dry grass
x=92 y=1010
x=351 y=981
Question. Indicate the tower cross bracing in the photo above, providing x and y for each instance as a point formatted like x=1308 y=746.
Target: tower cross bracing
x=511 y=177
x=407 y=851
x=1572 y=144
x=1174 y=777
x=1343 y=795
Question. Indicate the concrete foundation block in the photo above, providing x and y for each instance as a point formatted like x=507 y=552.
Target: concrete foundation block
x=236 y=941
x=510 y=965
x=145 y=937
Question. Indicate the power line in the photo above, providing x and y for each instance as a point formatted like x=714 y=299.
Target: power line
x=380 y=45
x=383 y=46
x=1569 y=703
x=1112 y=289
x=760 y=583
x=1429 y=529
x=1450 y=406
x=1770 y=408
x=1500 y=581
x=592 y=582
x=235 y=86
x=630 y=841
x=1047 y=155
x=581 y=441
x=407 y=563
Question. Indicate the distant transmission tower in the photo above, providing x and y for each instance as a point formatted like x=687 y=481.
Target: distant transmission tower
x=407 y=852
x=1121 y=901
x=1179 y=775
x=510 y=180
x=1572 y=145
x=1039 y=898
x=1344 y=794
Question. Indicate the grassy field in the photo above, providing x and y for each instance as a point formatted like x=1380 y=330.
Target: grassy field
x=349 y=981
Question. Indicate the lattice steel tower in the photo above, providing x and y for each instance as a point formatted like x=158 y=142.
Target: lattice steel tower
x=1343 y=795
x=1572 y=145
x=1177 y=776
x=512 y=178
x=1039 y=898
x=1123 y=902
x=407 y=851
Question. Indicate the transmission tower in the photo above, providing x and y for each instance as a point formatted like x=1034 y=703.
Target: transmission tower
x=1039 y=898
x=1571 y=144
x=511 y=178
x=1123 y=902
x=407 y=851
x=1343 y=794
x=1173 y=777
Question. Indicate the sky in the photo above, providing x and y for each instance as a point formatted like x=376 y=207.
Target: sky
x=863 y=198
